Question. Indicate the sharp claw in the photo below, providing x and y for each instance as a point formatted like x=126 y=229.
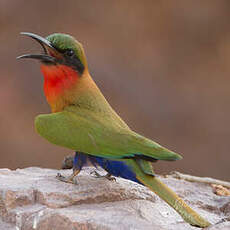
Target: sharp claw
x=66 y=179
x=107 y=176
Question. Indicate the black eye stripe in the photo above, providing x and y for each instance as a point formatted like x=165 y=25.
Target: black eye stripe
x=72 y=60
x=64 y=51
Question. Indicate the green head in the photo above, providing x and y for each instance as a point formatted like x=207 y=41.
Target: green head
x=60 y=49
x=68 y=46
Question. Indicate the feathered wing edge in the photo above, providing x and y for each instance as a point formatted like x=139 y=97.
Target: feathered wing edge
x=70 y=130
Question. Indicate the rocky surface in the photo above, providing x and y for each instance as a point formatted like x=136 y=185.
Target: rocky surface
x=33 y=198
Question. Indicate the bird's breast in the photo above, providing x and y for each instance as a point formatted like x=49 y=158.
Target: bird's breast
x=59 y=84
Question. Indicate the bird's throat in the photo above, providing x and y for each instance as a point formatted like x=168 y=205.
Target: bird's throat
x=59 y=83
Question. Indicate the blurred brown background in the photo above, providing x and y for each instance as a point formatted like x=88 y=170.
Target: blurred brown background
x=164 y=67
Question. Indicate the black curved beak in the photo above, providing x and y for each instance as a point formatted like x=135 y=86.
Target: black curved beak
x=50 y=55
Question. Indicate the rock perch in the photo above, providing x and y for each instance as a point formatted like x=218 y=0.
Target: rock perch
x=33 y=198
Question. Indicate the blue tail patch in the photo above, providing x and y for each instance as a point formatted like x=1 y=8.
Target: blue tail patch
x=115 y=168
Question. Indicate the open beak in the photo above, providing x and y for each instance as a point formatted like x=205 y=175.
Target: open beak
x=50 y=55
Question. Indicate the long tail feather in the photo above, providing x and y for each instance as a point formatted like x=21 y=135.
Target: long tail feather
x=165 y=193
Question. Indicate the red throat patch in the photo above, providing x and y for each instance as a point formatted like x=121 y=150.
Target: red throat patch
x=58 y=79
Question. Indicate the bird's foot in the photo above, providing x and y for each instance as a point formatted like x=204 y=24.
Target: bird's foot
x=69 y=179
x=107 y=176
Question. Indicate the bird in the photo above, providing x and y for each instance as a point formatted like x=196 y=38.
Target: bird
x=82 y=120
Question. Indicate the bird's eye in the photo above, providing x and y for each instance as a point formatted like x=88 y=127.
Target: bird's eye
x=69 y=53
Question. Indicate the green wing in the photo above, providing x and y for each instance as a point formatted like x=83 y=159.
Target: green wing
x=95 y=134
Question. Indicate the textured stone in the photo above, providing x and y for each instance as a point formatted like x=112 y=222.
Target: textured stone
x=33 y=198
